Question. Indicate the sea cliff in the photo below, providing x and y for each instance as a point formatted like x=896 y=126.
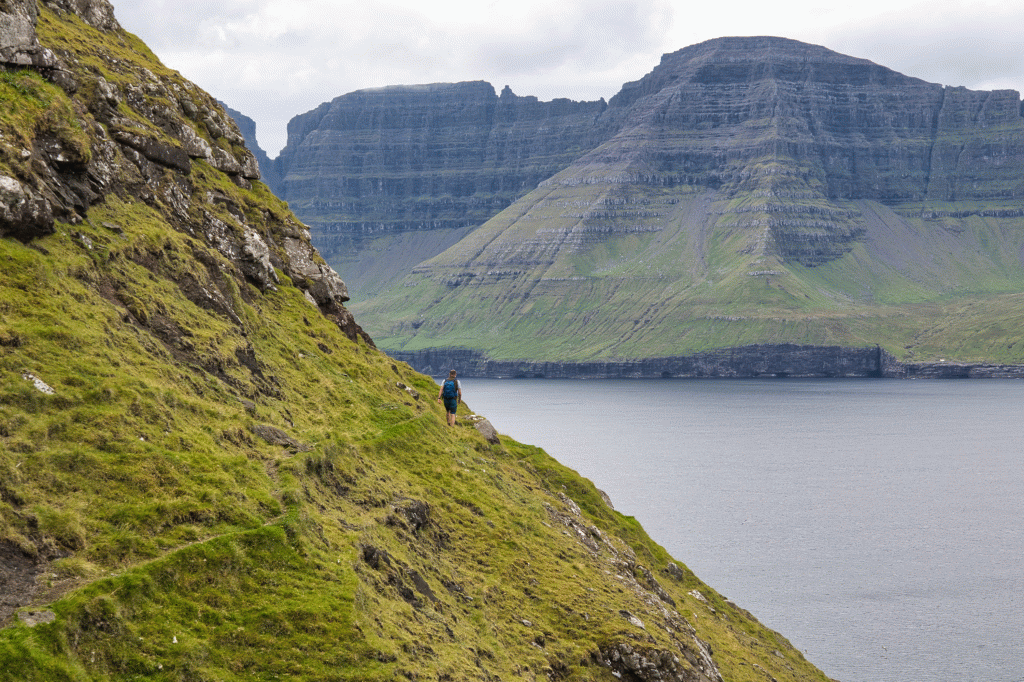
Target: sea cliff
x=747 y=362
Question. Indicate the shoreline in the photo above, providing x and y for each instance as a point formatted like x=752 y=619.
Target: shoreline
x=761 y=361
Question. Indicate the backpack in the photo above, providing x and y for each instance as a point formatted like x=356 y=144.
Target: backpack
x=449 y=389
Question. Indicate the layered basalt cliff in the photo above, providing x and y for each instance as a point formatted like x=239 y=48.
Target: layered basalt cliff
x=747 y=362
x=784 y=361
x=435 y=159
x=790 y=128
x=751 y=191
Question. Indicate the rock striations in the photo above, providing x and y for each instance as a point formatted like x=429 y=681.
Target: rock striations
x=377 y=173
x=748 y=191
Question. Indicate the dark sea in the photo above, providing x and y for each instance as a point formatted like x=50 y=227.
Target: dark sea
x=877 y=524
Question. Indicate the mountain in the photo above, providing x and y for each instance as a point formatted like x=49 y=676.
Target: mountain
x=388 y=177
x=749 y=193
x=209 y=472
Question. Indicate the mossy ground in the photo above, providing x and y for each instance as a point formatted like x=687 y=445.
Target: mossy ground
x=361 y=540
x=196 y=551
x=171 y=542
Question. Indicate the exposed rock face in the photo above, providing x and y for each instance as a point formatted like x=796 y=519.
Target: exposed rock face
x=374 y=164
x=97 y=13
x=748 y=362
x=247 y=126
x=19 y=47
x=794 y=127
x=748 y=191
x=83 y=152
x=735 y=363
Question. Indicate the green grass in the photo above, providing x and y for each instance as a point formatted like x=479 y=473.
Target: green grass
x=921 y=288
x=172 y=542
x=182 y=525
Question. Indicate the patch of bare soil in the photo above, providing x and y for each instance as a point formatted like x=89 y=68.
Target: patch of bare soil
x=18 y=573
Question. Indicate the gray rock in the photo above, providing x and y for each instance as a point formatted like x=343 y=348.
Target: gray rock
x=408 y=389
x=224 y=161
x=417 y=513
x=23 y=213
x=276 y=436
x=156 y=151
x=636 y=622
x=193 y=144
x=250 y=167
x=488 y=431
x=34 y=618
x=97 y=13
x=39 y=384
x=254 y=259
x=322 y=282
x=250 y=252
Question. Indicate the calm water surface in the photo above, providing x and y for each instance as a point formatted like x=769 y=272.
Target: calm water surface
x=878 y=525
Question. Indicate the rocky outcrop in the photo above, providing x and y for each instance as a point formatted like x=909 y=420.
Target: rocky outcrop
x=84 y=149
x=247 y=126
x=19 y=46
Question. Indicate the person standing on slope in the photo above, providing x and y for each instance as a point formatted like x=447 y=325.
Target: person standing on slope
x=451 y=393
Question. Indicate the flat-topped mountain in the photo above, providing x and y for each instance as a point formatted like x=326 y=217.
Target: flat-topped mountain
x=748 y=191
x=388 y=176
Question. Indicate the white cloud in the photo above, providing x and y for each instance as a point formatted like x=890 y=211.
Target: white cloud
x=273 y=59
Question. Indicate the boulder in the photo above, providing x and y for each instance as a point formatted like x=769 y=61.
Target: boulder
x=487 y=430
x=23 y=213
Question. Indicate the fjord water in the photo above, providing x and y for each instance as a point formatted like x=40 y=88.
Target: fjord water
x=877 y=524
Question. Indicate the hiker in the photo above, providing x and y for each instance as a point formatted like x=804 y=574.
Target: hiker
x=451 y=393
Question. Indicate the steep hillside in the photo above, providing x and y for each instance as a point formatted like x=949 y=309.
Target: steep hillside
x=758 y=191
x=207 y=472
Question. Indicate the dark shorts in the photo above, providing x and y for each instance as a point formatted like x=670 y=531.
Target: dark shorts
x=451 y=404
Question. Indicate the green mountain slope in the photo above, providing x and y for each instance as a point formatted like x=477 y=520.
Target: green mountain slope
x=533 y=285
x=760 y=191
x=207 y=472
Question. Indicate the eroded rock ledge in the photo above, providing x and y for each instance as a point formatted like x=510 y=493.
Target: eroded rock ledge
x=746 y=362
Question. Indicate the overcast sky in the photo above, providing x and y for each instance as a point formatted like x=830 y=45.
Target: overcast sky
x=273 y=59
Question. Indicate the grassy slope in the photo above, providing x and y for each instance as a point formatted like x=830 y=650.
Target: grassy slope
x=689 y=279
x=180 y=524
x=176 y=544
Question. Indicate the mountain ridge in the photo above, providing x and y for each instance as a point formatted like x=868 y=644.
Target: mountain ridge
x=755 y=191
